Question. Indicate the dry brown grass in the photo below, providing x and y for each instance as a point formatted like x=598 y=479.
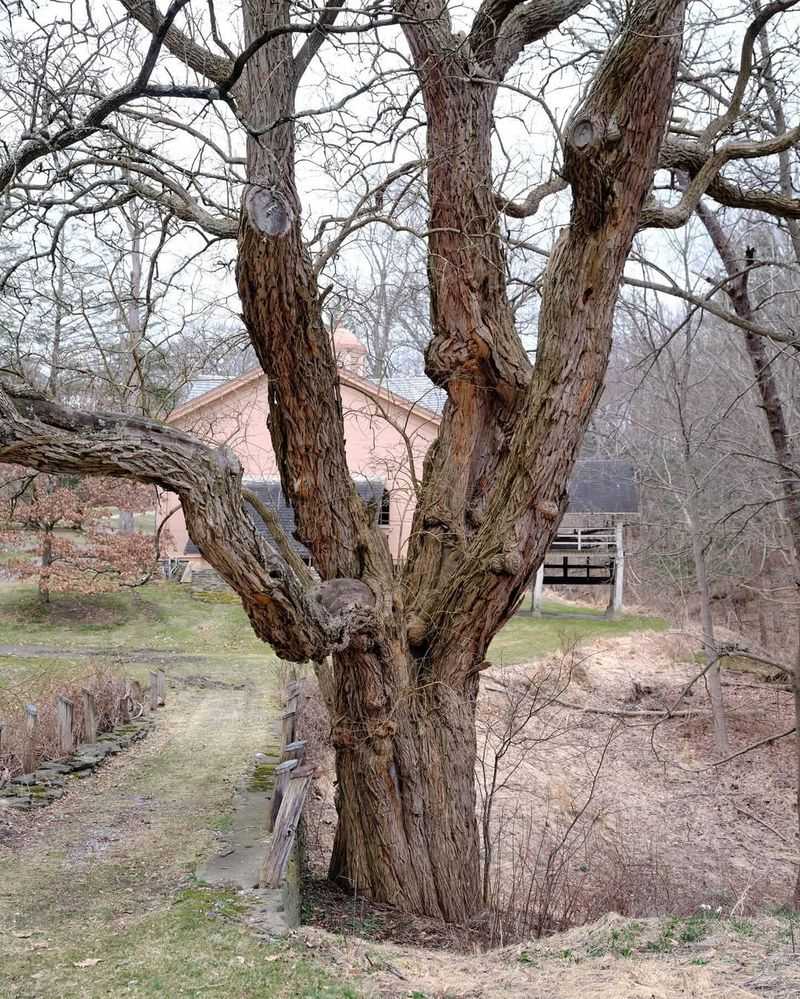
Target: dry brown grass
x=106 y=688
x=730 y=961
x=655 y=829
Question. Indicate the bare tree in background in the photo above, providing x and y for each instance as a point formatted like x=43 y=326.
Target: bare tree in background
x=407 y=644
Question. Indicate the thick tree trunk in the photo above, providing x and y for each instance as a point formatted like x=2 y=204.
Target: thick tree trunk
x=407 y=832
x=495 y=481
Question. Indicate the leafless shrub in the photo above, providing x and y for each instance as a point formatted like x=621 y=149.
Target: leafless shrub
x=508 y=736
x=107 y=690
x=549 y=876
x=556 y=864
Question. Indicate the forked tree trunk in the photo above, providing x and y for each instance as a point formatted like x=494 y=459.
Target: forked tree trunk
x=409 y=642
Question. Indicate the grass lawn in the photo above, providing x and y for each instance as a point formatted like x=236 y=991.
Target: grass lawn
x=103 y=901
x=107 y=904
x=525 y=637
x=166 y=617
x=159 y=616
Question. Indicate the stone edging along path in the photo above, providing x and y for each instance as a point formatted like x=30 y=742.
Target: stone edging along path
x=47 y=783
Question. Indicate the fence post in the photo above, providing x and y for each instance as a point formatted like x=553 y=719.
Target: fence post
x=538 y=587
x=89 y=716
x=64 y=714
x=124 y=706
x=285 y=828
x=153 y=691
x=29 y=752
x=162 y=687
x=283 y=773
x=288 y=719
x=294 y=751
x=134 y=689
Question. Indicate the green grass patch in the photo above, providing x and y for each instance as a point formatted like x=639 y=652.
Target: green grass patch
x=161 y=616
x=168 y=617
x=106 y=903
x=620 y=941
x=678 y=930
x=32 y=672
x=197 y=946
x=526 y=637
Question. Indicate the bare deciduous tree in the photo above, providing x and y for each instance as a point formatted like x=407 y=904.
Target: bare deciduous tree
x=407 y=644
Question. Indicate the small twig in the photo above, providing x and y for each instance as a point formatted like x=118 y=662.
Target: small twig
x=749 y=749
x=761 y=822
x=665 y=715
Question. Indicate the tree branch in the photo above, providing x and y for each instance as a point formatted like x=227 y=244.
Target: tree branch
x=191 y=54
x=312 y=44
x=533 y=199
x=300 y=623
x=525 y=24
x=278 y=536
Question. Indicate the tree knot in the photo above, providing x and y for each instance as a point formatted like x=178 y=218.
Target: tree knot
x=590 y=165
x=342 y=737
x=506 y=563
x=267 y=211
x=548 y=509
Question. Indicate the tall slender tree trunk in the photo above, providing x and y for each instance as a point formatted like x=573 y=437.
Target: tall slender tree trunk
x=780 y=438
x=713 y=678
x=46 y=562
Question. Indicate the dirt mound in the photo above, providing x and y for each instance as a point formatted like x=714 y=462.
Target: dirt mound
x=615 y=958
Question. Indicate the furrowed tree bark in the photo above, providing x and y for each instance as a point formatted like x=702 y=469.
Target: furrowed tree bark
x=495 y=482
x=281 y=310
x=612 y=143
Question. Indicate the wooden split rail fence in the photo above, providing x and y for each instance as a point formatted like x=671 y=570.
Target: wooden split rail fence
x=292 y=784
x=65 y=712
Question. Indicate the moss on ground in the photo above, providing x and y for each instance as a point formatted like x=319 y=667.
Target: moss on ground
x=262 y=778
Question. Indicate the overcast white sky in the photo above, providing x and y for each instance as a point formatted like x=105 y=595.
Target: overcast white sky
x=330 y=147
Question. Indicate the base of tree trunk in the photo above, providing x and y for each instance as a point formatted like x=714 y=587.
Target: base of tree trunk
x=407 y=833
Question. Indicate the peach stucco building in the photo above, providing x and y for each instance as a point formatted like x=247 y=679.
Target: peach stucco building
x=383 y=423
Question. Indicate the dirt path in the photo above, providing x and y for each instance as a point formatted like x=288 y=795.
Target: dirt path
x=154 y=656
x=97 y=893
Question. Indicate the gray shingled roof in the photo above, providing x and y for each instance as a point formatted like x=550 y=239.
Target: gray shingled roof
x=270 y=493
x=417 y=389
x=598 y=485
x=603 y=485
x=204 y=383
